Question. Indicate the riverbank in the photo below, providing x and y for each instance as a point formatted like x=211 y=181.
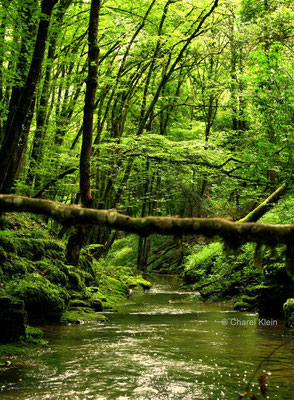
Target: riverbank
x=38 y=287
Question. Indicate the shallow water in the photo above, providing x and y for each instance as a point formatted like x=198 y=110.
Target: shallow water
x=163 y=344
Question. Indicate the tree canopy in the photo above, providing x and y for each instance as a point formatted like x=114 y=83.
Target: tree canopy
x=158 y=108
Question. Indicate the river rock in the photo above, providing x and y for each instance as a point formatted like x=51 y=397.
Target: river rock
x=96 y=304
x=13 y=319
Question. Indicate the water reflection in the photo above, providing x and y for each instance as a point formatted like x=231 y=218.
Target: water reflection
x=164 y=344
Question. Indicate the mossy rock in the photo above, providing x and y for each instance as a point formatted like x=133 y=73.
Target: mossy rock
x=143 y=283
x=246 y=303
x=75 y=281
x=78 y=303
x=137 y=282
x=81 y=315
x=52 y=272
x=114 y=290
x=87 y=278
x=54 y=245
x=243 y=306
x=7 y=243
x=271 y=298
x=288 y=309
x=249 y=299
x=86 y=264
x=55 y=255
x=94 y=293
x=93 y=289
x=34 y=335
x=83 y=295
x=96 y=304
x=43 y=300
x=33 y=249
x=13 y=319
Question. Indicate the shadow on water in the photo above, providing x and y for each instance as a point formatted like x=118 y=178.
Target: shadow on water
x=162 y=344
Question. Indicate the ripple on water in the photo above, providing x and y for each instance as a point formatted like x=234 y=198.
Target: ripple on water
x=163 y=345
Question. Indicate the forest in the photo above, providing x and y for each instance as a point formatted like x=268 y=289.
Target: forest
x=146 y=199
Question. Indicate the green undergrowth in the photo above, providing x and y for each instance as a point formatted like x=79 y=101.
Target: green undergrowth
x=123 y=252
x=255 y=276
x=33 y=269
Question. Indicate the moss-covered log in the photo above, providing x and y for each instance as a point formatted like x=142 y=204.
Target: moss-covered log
x=234 y=233
x=263 y=207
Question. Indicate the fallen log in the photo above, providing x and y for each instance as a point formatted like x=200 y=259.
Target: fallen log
x=263 y=207
x=232 y=232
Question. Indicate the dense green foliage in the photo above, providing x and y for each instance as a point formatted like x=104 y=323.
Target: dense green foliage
x=192 y=116
x=256 y=275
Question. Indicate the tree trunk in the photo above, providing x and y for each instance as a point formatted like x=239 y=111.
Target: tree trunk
x=18 y=115
x=41 y=117
x=75 y=242
x=263 y=207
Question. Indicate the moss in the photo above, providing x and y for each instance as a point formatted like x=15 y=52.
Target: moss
x=87 y=278
x=20 y=348
x=243 y=306
x=249 y=299
x=34 y=335
x=54 y=245
x=55 y=255
x=75 y=281
x=52 y=273
x=114 y=290
x=80 y=315
x=33 y=269
x=24 y=225
x=137 y=282
x=7 y=243
x=3 y=255
x=86 y=264
x=246 y=303
x=33 y=249
x=78 y=303
x=288 y=309
x=94 y=293
x=29 y=344
x=43 y=301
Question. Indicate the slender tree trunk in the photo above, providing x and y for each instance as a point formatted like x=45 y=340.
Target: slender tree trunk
x=18 y=115
x=233 y=75
x=76 y=240
x=143 y=241
x=41 y=117
x=2 y=41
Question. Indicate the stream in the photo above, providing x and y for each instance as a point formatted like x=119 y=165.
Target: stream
x=163 y=344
